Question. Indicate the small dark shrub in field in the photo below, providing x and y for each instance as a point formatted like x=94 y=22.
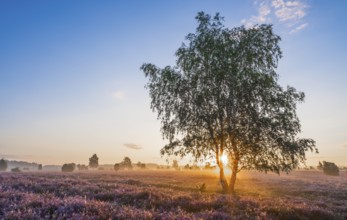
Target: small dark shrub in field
x=116 y=167
x=126 y=163
x=3 y=165
x=68 y=167
x=141 y=165
x=82 y=167
x=15 y=170
x=39 y=167
x=330 y=168
x=201 y=188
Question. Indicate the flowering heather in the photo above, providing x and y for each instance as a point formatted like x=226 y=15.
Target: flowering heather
x=170 y=195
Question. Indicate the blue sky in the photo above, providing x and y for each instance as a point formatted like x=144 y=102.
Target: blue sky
x=70 y=84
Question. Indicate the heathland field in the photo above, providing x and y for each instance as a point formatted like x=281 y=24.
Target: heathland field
x=166 y=194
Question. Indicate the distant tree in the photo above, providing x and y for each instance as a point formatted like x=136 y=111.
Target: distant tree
x=320 y=166
x=94 y=161
x=68 y=167
x=141 y=165
x=126 y=163
x=81 y=167
x=208 y=166
x=39 y=167
x=3 y=165
x=175 y=164
x=186 y=167
x=16 y=170
x=116 y=167
x=330 y=169
x=223 y=98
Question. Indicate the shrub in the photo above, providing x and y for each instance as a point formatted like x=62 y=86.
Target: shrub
x=141 y=165
x=330 y=169
x=82 y=167
x=201 y=188
x=15 y=170
x=126 y=163
x=39 y=167
x=94 y=161
x=68 y=167
x=116 y=167
x=3 y=165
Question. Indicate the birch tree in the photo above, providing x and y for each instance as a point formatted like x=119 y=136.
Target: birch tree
x=223 y=98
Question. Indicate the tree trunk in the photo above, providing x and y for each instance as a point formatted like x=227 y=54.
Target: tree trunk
x=223 y=181
x=233 y=176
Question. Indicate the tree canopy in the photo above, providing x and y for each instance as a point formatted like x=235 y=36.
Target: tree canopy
x=94 y=161
x=223 y=98
x=126 y=163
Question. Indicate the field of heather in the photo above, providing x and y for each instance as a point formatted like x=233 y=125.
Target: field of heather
x=160 y=194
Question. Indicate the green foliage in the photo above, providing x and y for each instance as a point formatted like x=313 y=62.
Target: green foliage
x=223 y=97
x=3 y=165
x=68 y=167
x=94 y=161
x=330 y=168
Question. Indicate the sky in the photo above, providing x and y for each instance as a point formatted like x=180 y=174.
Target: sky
x=71 y=85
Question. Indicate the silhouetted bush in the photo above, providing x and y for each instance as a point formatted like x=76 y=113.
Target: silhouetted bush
x=330 y=169
x=3 y=165
x=68 y=167
x=16 y=170
x=141 y=165
x=39 y=167
x=126 y=163
x=82 y=167
x=116 y=167
x=94 y=161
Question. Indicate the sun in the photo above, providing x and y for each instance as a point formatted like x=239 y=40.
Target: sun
x=224 y=159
